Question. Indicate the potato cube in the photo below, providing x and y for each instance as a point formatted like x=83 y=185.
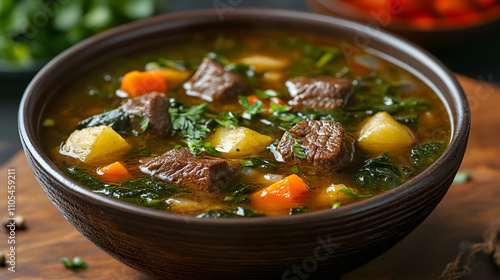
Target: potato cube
x=240 y=141
x=330 y=195
x=263 y=63
x=99 y=143
x=382 y=133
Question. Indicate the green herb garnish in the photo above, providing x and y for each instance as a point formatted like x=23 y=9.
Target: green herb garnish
x=258 y=162
x=297 y=149
x=353 y=194
x=143 y=122
x=228 y=119
x=461 y=177
x=76 y=264
x=250 y=110
x=197 y=147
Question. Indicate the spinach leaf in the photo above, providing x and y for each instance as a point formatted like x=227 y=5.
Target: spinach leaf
x=117 y=119
x=230 y=213
x=378 y=173
x=261 y=162
x=238 y=193
x=82 y=177
x=425 y=154
x=353 y=194
x=298 y=210
x=410 y=121
x=414 y=104
x=142 y=191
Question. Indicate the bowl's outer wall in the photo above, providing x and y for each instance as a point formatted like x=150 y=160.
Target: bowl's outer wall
x=168 y=246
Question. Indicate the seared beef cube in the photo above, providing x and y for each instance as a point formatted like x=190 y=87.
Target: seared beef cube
x=319 y=92
x=153 y=106
x=181 y=167
x=211 y=82
x=324 y=142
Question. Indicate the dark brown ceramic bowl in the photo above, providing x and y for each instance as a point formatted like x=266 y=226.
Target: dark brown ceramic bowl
x=323 y=244
x=438 y=35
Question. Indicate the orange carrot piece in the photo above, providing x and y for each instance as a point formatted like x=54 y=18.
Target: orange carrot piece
x=137 y=83
x=114 y=172
x=280 y=196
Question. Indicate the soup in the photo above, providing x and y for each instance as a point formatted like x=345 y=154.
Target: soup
x=245 y=124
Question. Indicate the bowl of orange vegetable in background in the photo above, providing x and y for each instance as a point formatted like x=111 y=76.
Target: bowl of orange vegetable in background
x=317 y=245
x=431 y=23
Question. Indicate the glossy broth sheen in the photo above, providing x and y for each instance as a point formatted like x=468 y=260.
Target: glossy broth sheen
x=377 y=86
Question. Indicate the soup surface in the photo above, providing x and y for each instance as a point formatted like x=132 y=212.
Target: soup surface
x=244 y=124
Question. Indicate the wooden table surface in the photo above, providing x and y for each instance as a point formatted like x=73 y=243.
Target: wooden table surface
x=464 y=214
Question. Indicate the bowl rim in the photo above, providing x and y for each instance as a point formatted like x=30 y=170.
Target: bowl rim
x=458 y=139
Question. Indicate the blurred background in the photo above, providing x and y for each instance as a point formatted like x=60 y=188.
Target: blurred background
x=463 y=34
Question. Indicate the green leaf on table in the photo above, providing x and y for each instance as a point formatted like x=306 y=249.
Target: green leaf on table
x=461 y=177
x=76 y=264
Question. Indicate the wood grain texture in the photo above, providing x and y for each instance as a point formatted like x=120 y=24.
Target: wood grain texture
x=463 y=214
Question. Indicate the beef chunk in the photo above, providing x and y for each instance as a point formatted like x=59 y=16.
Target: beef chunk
x=181 y=167
x=212 y=82
x=324 y=142
x=153 y=106
x=320 y=92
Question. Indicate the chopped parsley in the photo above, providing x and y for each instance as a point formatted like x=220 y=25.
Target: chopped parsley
x=250 y=110
x=297 y=149
x=353 y=194
x=258 y=162
x=143 y=122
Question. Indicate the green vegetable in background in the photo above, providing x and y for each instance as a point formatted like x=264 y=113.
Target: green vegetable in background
x=31 y=30
x=76 y=264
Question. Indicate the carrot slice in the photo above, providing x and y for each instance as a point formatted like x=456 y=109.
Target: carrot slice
x=137 y=83
x=114 y=172
x=280 y=196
